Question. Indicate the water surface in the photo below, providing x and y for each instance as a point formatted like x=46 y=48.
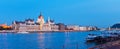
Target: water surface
x=55 y=40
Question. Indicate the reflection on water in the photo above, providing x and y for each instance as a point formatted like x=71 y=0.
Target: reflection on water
x=56 y=40
x=41 y=39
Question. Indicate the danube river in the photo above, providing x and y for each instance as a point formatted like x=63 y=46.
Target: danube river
x=55 y=40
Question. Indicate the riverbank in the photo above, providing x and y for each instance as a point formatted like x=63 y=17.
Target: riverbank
x=109 y=45
x=14 y=31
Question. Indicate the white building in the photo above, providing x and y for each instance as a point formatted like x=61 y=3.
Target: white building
x=83 y=28
x=87 y=28
x=30 y=25
x=73 y=27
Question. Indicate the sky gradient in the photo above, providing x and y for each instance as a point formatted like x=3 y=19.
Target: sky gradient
x=101 y=13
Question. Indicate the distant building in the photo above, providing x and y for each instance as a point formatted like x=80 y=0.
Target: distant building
x=83 y=28
x=72 y=27
x=30 y=25
x=80 y=28
x=92 y=28
x=61 y=26
x=87 y=28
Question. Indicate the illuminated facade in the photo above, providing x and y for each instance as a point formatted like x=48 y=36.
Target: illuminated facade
x=41 y=21
x=39 y=25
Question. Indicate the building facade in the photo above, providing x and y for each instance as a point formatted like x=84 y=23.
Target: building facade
x=39 y=25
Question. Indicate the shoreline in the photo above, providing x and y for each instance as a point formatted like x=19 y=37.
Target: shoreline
x=107 y=45
x=15 y=31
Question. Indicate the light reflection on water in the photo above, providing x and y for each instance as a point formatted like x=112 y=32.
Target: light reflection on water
x=56 y=40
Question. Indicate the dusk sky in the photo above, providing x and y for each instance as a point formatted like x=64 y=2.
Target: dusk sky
x=101 y=13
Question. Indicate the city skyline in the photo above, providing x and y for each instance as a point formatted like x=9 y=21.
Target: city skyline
x=100 y=13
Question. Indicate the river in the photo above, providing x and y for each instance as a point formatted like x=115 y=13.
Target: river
x=50 y=40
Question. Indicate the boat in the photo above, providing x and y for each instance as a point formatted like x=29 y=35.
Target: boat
x=103 y=37
x=91 y=37
x=110 y=34
x=22 y=32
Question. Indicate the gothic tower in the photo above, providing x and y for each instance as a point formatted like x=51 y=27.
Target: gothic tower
x=41 y=21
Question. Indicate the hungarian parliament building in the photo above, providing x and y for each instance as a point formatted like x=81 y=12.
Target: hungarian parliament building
x=39 y=25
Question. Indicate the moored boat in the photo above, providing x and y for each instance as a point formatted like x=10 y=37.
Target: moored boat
x=91 y=37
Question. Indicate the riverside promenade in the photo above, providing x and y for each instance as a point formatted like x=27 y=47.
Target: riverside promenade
x=15 y=31
x=109 y=45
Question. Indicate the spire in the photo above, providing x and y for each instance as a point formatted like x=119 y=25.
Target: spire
x=40 y=13
x=48 y=19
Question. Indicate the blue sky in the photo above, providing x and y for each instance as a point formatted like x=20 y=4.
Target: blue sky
x=101 y=13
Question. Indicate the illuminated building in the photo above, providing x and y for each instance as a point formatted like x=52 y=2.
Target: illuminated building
x=39 y=25
x=41 y=21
